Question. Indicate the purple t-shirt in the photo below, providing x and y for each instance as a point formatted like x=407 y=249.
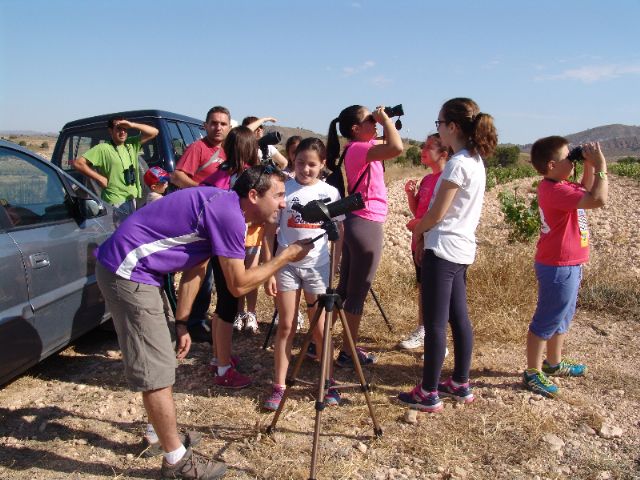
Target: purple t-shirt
x=174 y=234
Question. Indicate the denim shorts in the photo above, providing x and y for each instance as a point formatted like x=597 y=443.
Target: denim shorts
x=557 y=296
x=311 y=280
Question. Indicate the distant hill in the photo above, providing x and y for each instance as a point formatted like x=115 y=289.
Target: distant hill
x=616 y=140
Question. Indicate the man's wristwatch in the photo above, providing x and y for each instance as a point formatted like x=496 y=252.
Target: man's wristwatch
x=601 y=174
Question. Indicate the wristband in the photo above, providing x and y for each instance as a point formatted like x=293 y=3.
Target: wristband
x=601 y=174
x=181 y=322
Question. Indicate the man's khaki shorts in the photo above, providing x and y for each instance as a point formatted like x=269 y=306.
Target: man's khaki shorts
x=145 y=326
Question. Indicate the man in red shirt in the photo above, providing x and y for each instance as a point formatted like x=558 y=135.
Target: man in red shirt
x=562 y=249
x=203 y=157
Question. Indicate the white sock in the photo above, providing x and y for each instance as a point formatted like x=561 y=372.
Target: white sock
x=175 y=456
x=151 y=434
x=223 y=370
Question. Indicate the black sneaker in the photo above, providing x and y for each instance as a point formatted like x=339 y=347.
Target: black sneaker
x=189 y=439
x=193 y=466
x=345 y=361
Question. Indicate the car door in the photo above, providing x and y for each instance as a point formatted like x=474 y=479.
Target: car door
x=56 y=250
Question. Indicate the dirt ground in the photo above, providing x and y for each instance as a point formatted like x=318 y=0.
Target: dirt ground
x=73 y=417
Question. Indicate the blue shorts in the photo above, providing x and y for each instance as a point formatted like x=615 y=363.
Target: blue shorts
x=557 y=296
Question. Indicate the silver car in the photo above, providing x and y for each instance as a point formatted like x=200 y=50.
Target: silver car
x=50 y=226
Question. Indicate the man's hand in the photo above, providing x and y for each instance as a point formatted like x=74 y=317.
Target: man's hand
x=298 y=250
x=122 y=124
x=184 y=341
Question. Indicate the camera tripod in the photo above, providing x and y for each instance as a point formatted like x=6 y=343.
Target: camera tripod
x=331 y=303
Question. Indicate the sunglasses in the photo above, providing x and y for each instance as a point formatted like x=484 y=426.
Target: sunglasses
x=268 y=169
x=440 y=122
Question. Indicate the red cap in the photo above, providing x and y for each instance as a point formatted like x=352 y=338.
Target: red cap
x=156 y=175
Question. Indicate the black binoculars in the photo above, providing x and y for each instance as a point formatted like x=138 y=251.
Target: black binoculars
x=130 y=176
x=396 y=111
x=576 y=154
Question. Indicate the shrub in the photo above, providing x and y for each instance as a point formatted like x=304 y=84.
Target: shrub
x=523 y=219
x=629 y=160
x=504 y=156
x=22 y=143
x=500 y=175
x=413 y=155
x=44 y=145
x=631 y=170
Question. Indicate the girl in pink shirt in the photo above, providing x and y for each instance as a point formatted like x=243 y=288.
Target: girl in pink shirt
x=363 y=234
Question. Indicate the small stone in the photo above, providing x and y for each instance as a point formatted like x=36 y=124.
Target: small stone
x=81 y=441
x=79 y=387
x=606 y=475
x=610 y=431
x=586 y=429
x=129 y=456
x=361 y=447
x=411 y=417
x=616 y=393
x=113 y=354
x=555 y=442
x=459 y=472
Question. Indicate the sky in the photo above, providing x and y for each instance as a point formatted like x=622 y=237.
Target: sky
x=539 y=68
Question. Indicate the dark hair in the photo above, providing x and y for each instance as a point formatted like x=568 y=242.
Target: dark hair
x=544 y=150
x=477 y=127
x=348 y=117
x=241 y=149
x=218 y=109
x=111 y=122
x=257 y=178
x=247 y=120
x=315 y=144
x=292 y=140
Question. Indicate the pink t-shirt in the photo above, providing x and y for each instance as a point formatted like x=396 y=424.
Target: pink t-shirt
x=219 y=178
x=372 y=187
x=425 y=192
x=564 y=236
x=198 y=154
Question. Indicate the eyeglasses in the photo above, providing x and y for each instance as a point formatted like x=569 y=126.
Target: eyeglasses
x=440 y=122
x=268 y=169
x=369 y=118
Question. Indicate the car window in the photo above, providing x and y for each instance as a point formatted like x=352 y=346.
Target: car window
x=186 y=133
x=77 y=144
x=178 y=143
x=30 y=191
x=198 y=131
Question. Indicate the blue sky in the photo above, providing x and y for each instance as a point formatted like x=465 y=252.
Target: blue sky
x=540 y=68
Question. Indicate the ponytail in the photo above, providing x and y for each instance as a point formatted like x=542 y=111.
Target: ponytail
x=477 y=128
x=333 y=145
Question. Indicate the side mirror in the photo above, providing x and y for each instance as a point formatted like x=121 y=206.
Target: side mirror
x=89 y=208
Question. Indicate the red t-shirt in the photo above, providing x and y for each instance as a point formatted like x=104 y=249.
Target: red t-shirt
x=425 y=192
x=564 y=236
x=198 y=154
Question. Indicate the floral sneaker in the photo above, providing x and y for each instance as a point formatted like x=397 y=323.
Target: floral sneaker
x=460 y=393
x=238 y=322
x=273 y=402
x=414 y=340
x=566 y=368
x=250 y=322
x=430 y=402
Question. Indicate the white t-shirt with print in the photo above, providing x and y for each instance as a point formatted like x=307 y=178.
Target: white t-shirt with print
x=454 y=238
x=293 y=228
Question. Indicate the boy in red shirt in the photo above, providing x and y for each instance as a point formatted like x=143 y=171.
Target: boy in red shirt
x=562 y=249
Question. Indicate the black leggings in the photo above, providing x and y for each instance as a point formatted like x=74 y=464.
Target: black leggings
x=444 y=299
x=361 y=253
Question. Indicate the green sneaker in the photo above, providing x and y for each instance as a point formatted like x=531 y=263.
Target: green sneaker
x=566 y=368
x=537 y=382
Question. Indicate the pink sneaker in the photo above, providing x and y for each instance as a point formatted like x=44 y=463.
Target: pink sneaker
x=232 y=379
x=273 y=402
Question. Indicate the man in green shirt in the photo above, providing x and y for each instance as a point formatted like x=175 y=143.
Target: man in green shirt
x=114 y=164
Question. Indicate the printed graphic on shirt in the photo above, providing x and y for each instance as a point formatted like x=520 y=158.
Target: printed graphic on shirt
x=583 y=227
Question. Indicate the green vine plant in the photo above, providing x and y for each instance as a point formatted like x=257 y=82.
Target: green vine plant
x=523 y=220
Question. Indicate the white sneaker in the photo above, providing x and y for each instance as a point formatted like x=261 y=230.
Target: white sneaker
x=251 y=322
x=414 y=340
x=238 y=322
x=300 y=322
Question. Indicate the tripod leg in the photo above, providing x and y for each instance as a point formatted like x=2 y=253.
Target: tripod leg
x=296 y=368
x=323 y=385
x=384 y=315
x=356 y=363
x=270 y=331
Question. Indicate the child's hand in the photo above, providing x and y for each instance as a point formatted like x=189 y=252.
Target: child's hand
x=593 y=155
x=411 y=224
x=410 y=186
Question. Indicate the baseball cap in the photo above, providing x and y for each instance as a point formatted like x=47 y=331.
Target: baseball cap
x=156 y=175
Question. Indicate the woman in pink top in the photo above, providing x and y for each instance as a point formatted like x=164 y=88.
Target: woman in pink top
x=363 y=234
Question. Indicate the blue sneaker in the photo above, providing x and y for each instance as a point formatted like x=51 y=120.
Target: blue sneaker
x=461 y=393
x=345 y=361
x=566 y=368
x=332 y=397
x=430 y=402
x=537 y=382
x=312 y=352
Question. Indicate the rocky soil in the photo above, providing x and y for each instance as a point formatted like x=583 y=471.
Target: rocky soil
x=73 y=416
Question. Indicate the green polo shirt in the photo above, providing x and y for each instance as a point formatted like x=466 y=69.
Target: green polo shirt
x=112 y=161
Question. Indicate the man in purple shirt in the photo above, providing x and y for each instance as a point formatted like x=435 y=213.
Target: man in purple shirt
x=180 y=233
